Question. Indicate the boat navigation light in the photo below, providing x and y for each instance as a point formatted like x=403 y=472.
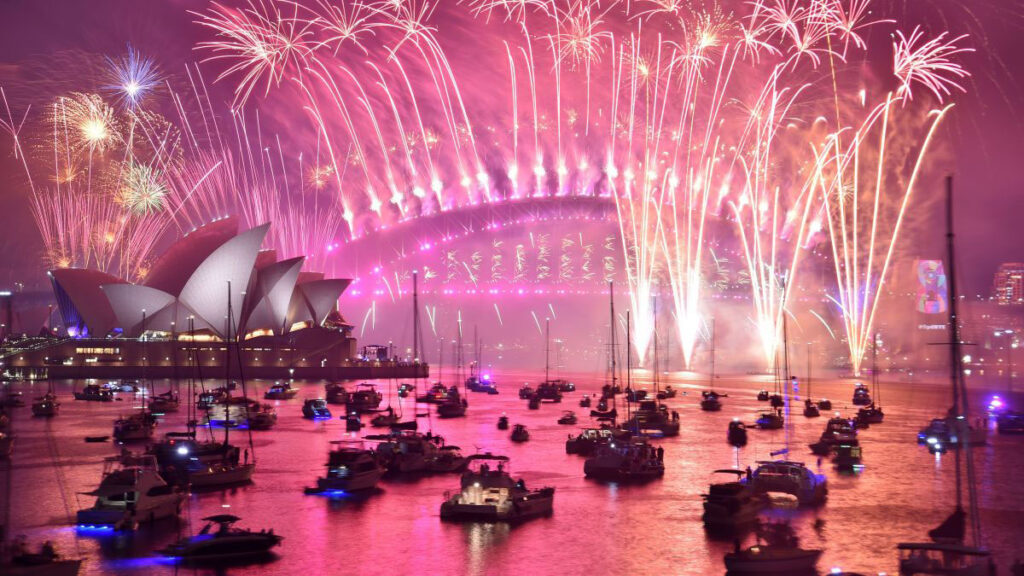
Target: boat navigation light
x=182 y=450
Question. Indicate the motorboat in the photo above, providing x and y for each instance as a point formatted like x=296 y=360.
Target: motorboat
x=315 y=409
x=776 y=401
x=568 y=418
x=438 y=393
x=737 y=433
x=503 y=422
x=353 y=422
x=232 y=411
x=385 y=419
x=779 y=556
x=1010 y=423
x=209 y=398
x=94 y=393
x=770 y=420
x=454 y=407
x=650 y=416
x=562 y=385
x=525 y=392
x=731 y=502
x=792 y=478
x=13 y=399
x=944 y=558
x=264 y=418
x=861 y=395
x=350 y=468
x=46 y=405
x=365 y=398
x=943 y=431
x=336 y=394
x=16 y=560
x=824 y=404
x=667 y=392
x=709 y=401
x=810 y=409
x=871 y=414
x=585 y=401
x=126 y=386
x=847 y=457
x=762 y=395
x=534 y=403
x=404 y=389
x=410 y=452
x=519 y=433
x=164 y=403
x=624 y=461
x=488 y=493
x=839 y=430
x=177 y=449
x=481 y=384
x=219 y=474
x=224 y=542
x=634 y=395
x=548 y=391
x=131 y=492
x=281 y=392
x=587 y=441
x=135 y=427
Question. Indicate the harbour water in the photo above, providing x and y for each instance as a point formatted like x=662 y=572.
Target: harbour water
x=902 y=492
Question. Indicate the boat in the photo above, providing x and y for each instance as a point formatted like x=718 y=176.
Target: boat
x=525 y=392
x=824 y=404
x=164 y=403
x=810 y=409
x=281 y=392
x=945 y=432
x=776 y=401
x=777 y=552
x=549 y=389
x=649 y=417
x=16 y=560
x=131 y=492
x=585 y=401
x=350 y=468
x=762 y=395
x=710 y=401
x=46 y=405
x=410 y=452
x=454 y=407
x=404 y=389
x=365 y=398
x=847 y=457
x=563 y=385
x=625 y=461
x=478 y=380
x=135 y=427
x=6 y=445
x=792 y=478
x=770 y=420
x=568 y=418
x=437 y=394
x=219 y=474
x=861 y=395
x=385 y=419
x=587 y=441
x=209 y=398
x=534 y=403
x=315 y=409
x=489 y=494
x=839 y=430
x=872 y=413
x=731 y=503
x=353 y=422
x=264 y=418
x=336 y=394
x=224 y=542
x=94 y=393
x=1010 y=423
x=737 y=433
x=519 y=433
x=948 y=554
x=503 y=422
x=667 y=392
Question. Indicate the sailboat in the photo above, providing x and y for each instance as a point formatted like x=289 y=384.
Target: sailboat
x=709 y=398
x=873 y=414
x=454 y=405
x=227 y=471
x=947 y=553
x=652 y=415
x=604 y=412
x=46 y=405
x=138 y=426
x=479 y=381
x=811 y=410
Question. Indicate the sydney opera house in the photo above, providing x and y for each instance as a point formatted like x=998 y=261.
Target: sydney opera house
x=213 y=285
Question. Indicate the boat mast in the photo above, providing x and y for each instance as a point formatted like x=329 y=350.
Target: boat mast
x=712 y=354
x=629 y=364
x=611 y=326
x=808 y=370
x=547 y=348
x=874 y=370
x=227 y=373
x=656 y=368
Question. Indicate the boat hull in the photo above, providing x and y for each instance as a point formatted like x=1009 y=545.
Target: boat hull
x=165 y=507
x=363 y=481
x=56 y=568
x=796 y=562
x=537 y=504
x=213 y=476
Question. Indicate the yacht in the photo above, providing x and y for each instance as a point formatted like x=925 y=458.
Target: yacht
x=548 y=391
x=709 y=401
x=668 y=392
x=315 y=409
x=437 y=394
x=219 y=474
x=525 y=392
x=847 y=457
x=336 y=394
x=46 y=405
x=762 y=395
x=943 y=431
x=791 y=478
x=263 y=418
x=519 y=433
x=810 y=409
x=652 y=417
x=350 y=468
x=779 y=553
x=410 y=452
x=131 y=491
x=503 y=422
x=588 y=440
x=731 y=502
x=1010 y=423
x=839 y=430
x=770 y=420
x=861 y=395
x=135 y=427
x=281 y=392
x=624 y=461
x=737 y=433
x=209 y=398
x=164 y=403
x=481 y=384
x=568 y=418
x=224 y=542
x=585 y=401
x=94 y=393
x=488 y=493
x=364 y=399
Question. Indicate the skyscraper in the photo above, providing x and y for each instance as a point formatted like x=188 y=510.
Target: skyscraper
x=1008 y=284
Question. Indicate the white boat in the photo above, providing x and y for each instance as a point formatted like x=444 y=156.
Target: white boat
x=791 y=478
x=624 y=461
x=488 y=494
x=135 y=427
x=225 y=542
x=350 y=468
x=131 y=492
x=731 y=503
x=410 y=452
x=219 y=474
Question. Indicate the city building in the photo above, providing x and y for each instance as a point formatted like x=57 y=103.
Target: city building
x=1008 y=285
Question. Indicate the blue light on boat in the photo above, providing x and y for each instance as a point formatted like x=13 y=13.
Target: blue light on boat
x=94 y=528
